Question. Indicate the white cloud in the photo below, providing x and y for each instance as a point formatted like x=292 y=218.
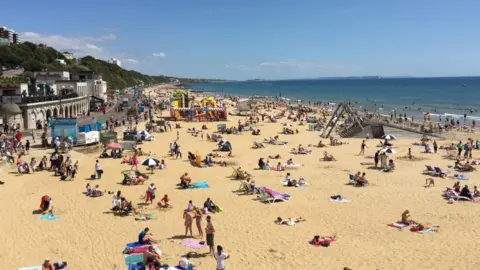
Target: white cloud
x=78 y=45
x=160 y=54
x=133 y=61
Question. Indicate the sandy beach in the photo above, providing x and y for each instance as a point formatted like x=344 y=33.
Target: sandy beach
x=88 y=237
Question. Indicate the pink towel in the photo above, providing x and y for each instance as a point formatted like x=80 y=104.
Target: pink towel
x=192 y=243
x=139 y=250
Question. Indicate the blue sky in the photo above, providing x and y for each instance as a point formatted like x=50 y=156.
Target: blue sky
x=261 y=38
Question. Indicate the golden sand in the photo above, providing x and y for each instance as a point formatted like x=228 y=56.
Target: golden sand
x=89 y=238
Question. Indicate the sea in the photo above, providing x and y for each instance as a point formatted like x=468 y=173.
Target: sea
x=441 y=98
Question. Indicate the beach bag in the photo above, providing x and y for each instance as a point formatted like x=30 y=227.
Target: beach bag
x=92 y=177
x=153 y=196
x=63 y=177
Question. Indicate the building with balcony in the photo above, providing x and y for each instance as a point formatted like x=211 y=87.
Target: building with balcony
x=41 y=102
x=9 y=34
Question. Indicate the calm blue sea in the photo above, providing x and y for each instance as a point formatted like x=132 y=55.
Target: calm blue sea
x=441 y=97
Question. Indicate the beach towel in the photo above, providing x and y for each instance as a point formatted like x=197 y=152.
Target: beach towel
x=136 y=266
x=460 y=170
x=39 y=267
x=461 y=177
x=192 y=243
x=285 y=183
x=398 y=225
x=199 y=185
x=135 y=244
x=320 y=244
x=145 y=217
x=429 y=230
x=276 y=170
x=134 y=259
x=48 y=217
x=342 y=200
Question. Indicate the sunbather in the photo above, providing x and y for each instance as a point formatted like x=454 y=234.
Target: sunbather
x=47 y=265
x=320 y=144
x=465 y=192
x=185 y=181
x=405 y=217
x=328 y=157
x=288 y=221
x=164 y=202
x=145 y=237
x=209 y=206
x=277 y=156
x=420 y=227
x=322 y=241
x=151 y=257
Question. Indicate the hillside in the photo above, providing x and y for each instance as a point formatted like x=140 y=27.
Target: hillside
x=33 y=57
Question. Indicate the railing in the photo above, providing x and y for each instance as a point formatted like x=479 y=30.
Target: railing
x=429 y=129
x=48 y=98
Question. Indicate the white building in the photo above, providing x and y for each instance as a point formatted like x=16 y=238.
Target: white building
x=74 y=86
x=68 y=55
x=50 y=78
x=61 y=61
x=115 y=61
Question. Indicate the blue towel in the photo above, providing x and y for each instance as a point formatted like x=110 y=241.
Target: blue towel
x=429 y=230
x=136 y=266
x=48 y=217
x=459 y=170
x=461 y=177
x=135 y=244
x=200 y=185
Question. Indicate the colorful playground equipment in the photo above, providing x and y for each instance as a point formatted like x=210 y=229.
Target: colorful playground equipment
x=206 y=110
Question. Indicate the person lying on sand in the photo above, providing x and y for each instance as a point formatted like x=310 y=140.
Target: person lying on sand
x=322 y=241
x=47 y=265
x=328 y=157
x=467 y=167
x=420 y=227
x=288 y=221
x=277 y=156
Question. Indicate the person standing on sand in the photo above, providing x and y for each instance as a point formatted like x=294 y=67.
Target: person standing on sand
x=376 y=158
x=98 y=169
x=198 y=220
x=362 y=148
x=210 y=231
x=220 y=256
x=435 y=147
x=188 y=223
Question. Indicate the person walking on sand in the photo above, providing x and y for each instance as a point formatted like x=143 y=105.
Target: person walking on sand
x=188 y=223
x=198 y=220
x=210 y=231
x=135 y=161
x=435 y=147
x=362 y=148
x=220 y=256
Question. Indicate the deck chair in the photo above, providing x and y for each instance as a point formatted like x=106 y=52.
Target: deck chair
x=451 y=154
x=450 y=194
x=263 y=196
x=429 y=170
x=351 y=179
x=439 y=172
x=276 y=196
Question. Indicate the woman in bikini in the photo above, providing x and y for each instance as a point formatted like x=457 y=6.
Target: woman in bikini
x=188 y=223
x=198 y=220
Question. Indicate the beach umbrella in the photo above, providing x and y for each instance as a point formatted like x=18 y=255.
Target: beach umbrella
x=150 y=162
x=389 y=150
x=388 y=137
x=114 y=145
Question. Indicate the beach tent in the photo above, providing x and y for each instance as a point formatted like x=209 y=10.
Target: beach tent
x=143 y=135
x=225 y=145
